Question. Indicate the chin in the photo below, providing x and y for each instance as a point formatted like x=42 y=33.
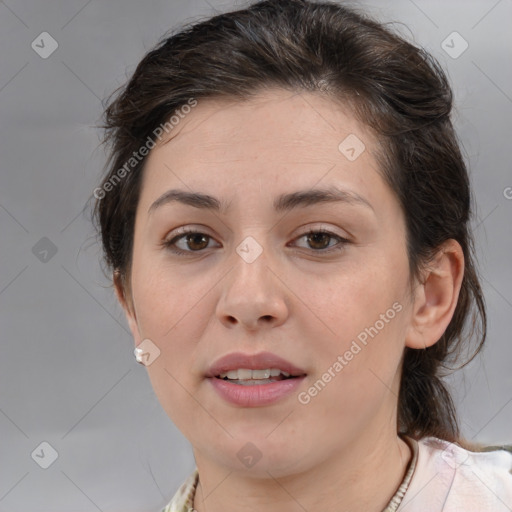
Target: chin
x=260 y=457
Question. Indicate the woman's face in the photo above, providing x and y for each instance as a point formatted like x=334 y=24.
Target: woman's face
x=254 y=281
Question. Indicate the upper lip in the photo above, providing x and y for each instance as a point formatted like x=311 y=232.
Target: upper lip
x=260 y=361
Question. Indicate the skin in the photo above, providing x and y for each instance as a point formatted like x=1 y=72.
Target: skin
x=340 y=451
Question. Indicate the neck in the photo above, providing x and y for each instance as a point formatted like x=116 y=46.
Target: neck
x=363 y=476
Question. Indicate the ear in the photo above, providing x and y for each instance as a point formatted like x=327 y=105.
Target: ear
x=435 y=298
x=124 y=298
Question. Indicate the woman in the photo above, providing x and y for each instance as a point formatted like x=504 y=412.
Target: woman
x=286 y=214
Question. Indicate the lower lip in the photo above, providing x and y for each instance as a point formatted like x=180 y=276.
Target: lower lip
x=257 y=394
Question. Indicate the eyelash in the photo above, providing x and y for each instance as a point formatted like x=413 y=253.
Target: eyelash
x=170 y=244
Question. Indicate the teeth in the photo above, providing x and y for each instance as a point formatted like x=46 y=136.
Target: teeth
x=260 y=374
x=253 y=382
x=246 y=374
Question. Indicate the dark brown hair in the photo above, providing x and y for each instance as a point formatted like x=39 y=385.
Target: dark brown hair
x=392 y=86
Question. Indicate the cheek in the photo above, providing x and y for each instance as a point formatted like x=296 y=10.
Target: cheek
x=363 y=317
x=352 y=299
x=172 y=313
x=169 y=312
x=356 y=366
x=165 y=297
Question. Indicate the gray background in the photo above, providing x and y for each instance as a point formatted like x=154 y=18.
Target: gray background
x=67 y=373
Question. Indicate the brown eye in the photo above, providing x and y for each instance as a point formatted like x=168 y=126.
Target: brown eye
x=188 y=242
x=196 y=241
x=320 y=241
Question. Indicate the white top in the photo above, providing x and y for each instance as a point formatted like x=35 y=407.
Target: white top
x=449 y=478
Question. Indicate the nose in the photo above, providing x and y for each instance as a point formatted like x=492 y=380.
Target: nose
x=253 y=295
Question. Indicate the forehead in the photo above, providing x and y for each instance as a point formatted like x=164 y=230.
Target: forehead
x=276 y=117
x=269 y=143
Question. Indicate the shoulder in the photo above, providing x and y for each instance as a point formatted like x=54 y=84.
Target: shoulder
x=449 y=477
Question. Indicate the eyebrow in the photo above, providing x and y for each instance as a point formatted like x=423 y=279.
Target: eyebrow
x=282 y=203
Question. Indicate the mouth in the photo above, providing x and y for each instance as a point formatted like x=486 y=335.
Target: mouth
x=254 y=380
x=248 y=377
x=253 y=369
